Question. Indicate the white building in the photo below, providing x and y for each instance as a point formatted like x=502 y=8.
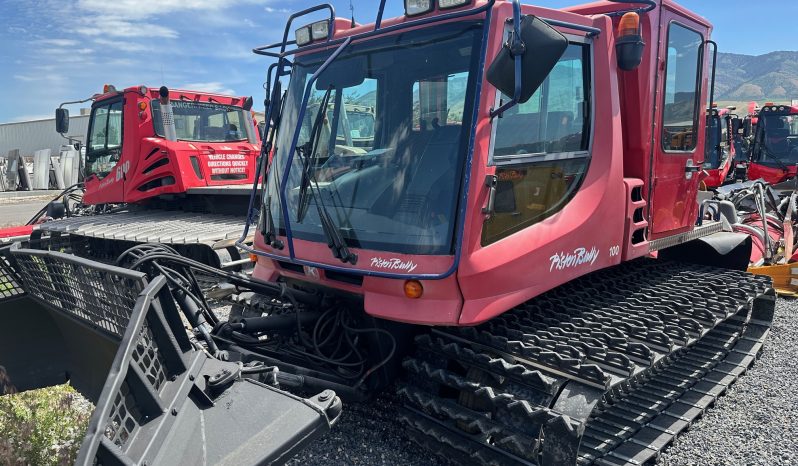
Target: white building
x=30 y=136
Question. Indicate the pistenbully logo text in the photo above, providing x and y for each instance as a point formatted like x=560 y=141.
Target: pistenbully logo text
x=393 y=263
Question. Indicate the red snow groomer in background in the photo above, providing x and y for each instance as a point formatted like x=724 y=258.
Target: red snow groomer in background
x=773 y=150
x=719 y=152
x=162 y=166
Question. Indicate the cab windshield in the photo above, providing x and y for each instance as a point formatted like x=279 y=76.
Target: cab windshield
x=778 y=139
x=203 y=121
x=390 y=147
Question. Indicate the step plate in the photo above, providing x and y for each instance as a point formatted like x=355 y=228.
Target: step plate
x=608 y=369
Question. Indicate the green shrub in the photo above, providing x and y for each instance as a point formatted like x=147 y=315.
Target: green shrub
x=42 y=427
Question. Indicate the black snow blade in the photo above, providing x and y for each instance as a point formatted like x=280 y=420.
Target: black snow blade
x=160 y=400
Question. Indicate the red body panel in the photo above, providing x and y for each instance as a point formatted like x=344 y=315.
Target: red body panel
x=16 y=232
x=597 y=225
x=142 y=150
x=671 y=197
x=771 y=175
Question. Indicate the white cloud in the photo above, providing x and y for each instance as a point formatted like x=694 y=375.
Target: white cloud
x=213 y=87
x=38 y=77
x=59 y=42
x=270 y=9
x=141 y=9
x=118 y=27
x=125 y=46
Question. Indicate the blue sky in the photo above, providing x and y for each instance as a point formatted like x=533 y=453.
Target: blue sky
x=52 y=51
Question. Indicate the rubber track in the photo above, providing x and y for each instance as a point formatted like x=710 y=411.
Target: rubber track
x=607 y=369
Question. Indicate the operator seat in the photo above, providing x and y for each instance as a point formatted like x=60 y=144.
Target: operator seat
x=776 y=140
x=432 y=172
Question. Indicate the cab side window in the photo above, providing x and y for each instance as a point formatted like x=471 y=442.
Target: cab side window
x=682 y=75
x=540 y=148
x=104 y=147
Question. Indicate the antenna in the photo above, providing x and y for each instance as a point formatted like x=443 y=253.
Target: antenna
x=352 y=9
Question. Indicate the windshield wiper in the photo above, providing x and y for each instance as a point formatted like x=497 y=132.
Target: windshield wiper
x=780 y=161
x=308 y=152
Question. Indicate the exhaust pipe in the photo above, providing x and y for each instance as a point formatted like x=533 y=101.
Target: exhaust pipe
x=167 y=116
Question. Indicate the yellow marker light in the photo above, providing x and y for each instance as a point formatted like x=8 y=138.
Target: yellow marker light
x=142 y=106
x=629 y=24
x=253 y=258
x=413 y=289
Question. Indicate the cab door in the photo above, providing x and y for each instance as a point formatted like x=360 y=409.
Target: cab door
x=680 y=124
x=104 y=177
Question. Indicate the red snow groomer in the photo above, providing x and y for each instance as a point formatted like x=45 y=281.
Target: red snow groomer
x=482 y=242
x=773 y=151
x=163 y=166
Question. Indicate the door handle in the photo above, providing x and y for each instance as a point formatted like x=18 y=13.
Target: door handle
x=490 y=181
x=689 y=169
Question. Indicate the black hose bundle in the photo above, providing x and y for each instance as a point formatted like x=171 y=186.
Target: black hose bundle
x=332 y=339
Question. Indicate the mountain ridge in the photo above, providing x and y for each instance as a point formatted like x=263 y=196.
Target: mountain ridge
x=771 y=76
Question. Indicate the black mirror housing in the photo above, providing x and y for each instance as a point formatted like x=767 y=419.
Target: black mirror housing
x=543 y=48
x=61 y=120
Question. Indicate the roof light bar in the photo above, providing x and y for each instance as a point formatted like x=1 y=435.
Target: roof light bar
x=312 y=32
x=417 y=7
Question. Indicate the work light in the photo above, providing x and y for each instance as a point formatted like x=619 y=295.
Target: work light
x=303 y=36
x=444 y=4
x=417 y=7
x=320 y=30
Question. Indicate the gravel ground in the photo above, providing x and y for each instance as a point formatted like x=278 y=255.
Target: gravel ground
x=367 y=434
x=753 y=424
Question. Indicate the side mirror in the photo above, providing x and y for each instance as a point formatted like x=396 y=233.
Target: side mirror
x=541 y=47
x=61 y=120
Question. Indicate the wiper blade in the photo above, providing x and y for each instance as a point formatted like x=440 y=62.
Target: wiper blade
x=335 y=240
x=308 y=153
x=780 y=161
